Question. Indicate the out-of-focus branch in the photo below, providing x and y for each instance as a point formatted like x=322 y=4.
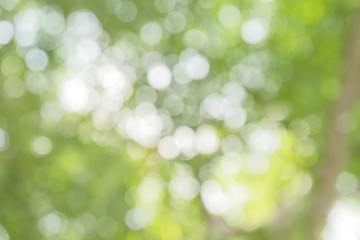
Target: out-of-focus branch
x=337 y=148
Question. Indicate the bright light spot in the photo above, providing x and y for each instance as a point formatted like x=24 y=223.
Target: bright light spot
x=264 y=141
x=116 y=86
x=229 y=16
x=254 y=31
x=224 y=108
x=214 y=198
x=231 y=163
x=196 y=66
x=42 y=145
x=144 y=125
x=87 y=50
x=27 y=24
x=106 y=227
x=36 y=59
x=150 y=189
x=346 y=183
x=207 y=141
x=137 y=218
x=52 y=223
x=3 y=233
x=54 y=23
x=84 y=23
x=258 y=164
x=342 y=222
x=126 y=11
x=216 y=106
x=159 y=76
x=151 y=33
x=6 y=32
x=184 y=136
x=75 y=95
x=235 y=91
x=111 y=78
x=175 y=22
x=185 y=139
x=168 y=148
x=184 y=188
x=4 y=140
x=192 y=65
x=236 y=119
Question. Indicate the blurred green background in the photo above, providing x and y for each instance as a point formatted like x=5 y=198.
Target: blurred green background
x=179 y=119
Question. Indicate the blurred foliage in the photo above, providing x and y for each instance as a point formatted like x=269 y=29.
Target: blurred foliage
x=167 y=119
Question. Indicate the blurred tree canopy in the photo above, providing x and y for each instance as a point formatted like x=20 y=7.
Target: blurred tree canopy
x=179 y=119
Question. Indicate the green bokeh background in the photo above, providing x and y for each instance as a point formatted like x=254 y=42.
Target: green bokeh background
x=89 y=181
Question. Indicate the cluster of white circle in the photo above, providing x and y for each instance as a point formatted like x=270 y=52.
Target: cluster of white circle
x=81 y=48
x=204 y=141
